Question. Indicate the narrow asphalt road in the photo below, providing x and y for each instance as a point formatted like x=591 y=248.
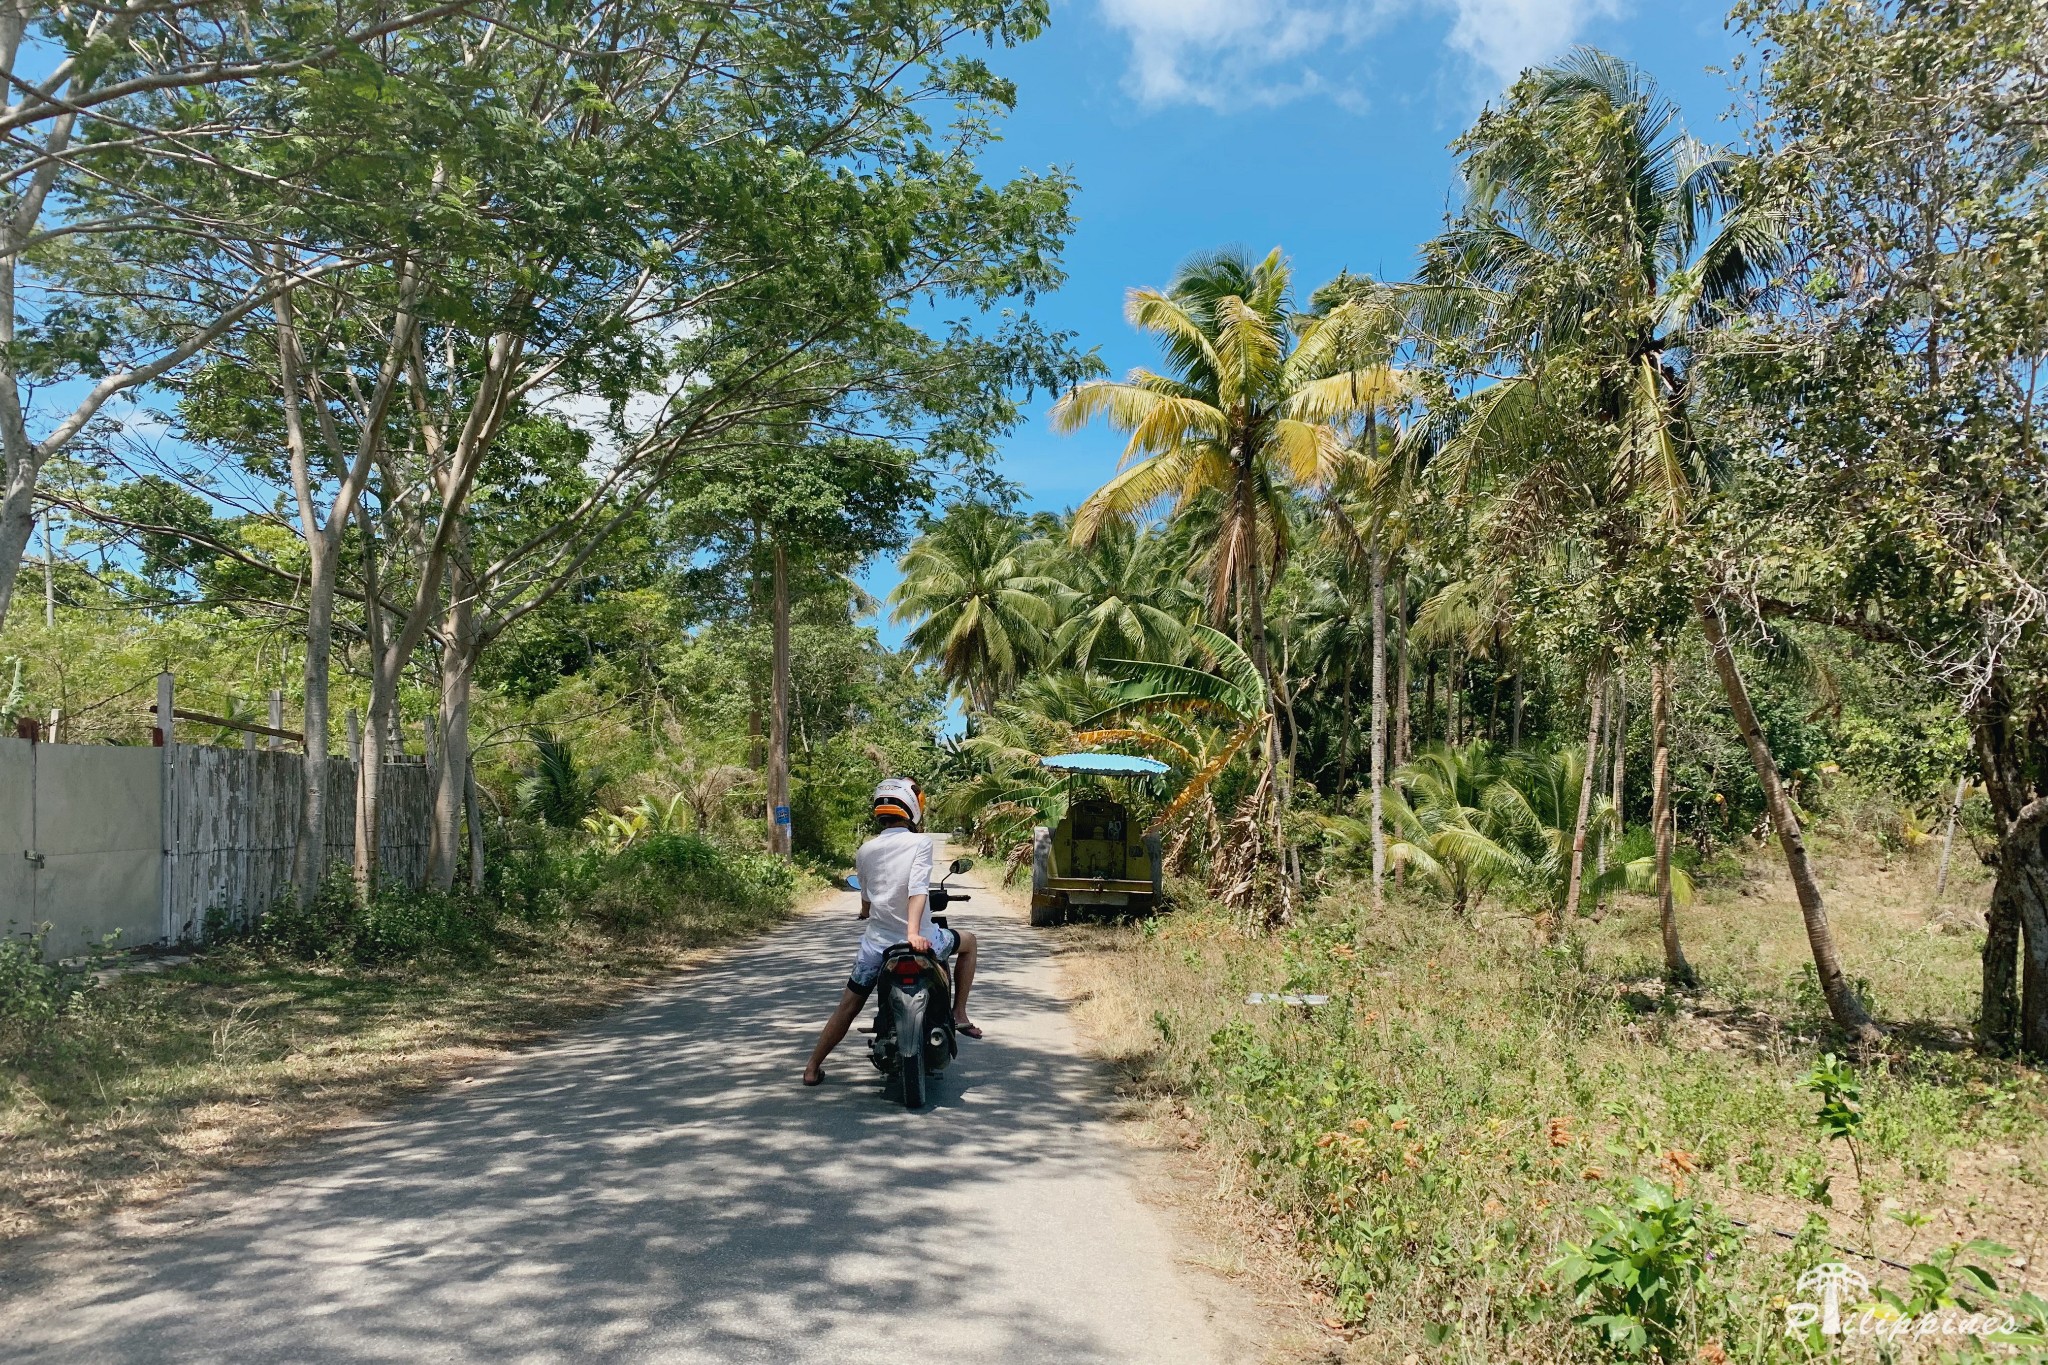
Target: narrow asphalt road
x=656 y=1186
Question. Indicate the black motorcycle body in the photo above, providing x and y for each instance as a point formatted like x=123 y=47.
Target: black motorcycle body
x=913 y=1037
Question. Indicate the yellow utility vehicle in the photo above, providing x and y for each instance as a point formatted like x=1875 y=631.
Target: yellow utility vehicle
x=1097 y=857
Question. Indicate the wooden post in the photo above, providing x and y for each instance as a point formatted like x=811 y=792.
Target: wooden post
x=163 y=710
x=167 y=875
x=272 y=742
x=355 y=738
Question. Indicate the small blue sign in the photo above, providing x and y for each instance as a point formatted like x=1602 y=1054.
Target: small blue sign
x=782 y=815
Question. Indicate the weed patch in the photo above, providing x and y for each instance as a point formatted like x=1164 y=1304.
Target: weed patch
x=1491 y=1151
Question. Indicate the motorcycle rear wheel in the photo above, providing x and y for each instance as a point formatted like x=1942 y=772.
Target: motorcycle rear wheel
x=910 y=1052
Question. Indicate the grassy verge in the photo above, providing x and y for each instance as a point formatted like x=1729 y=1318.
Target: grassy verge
x=1446 y=1132
x=120 y=1092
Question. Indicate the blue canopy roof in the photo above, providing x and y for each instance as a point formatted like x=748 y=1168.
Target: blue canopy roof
x=1107 y=765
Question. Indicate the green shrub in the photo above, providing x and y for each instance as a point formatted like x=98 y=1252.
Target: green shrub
x=1639 y=1278
x=683 y=883
x=396 y=925
x=33 y=991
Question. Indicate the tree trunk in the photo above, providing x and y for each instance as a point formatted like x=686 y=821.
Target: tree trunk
x=1664 y=820
x=1454 y=702
x=1606 y=747
x=1493 y=701
x=779 y=841
x=1948 y=840
x=379 y=718
x=1379 y=724
x=2025 y=871
x=473 y=808
x=1429 y=698
x=1515 y=723
x=1252 y=609
x=2016 y=949
x=322 y=553
x=459 y=653
x=1843 y=1004
x=1596 y=695
x=1404 y=745
x=17 y=524
x=370 y=797
x=1620 y=747
x=1347 y=742
x=311 y=862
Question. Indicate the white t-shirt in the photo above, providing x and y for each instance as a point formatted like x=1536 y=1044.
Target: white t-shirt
x=893 y=866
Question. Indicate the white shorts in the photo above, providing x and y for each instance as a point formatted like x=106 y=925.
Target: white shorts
x=867 y=963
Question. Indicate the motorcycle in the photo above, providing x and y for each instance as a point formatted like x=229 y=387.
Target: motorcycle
x=913 y=1030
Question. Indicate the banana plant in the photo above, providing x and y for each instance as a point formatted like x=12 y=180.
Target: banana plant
x=1227 y=696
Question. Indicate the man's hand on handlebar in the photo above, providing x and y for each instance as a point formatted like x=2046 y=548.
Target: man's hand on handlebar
x=920 y=943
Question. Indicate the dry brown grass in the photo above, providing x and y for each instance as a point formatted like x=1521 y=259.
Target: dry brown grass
x=1488 y=1093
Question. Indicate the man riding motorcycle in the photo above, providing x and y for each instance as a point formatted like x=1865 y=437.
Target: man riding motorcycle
x=895 y=869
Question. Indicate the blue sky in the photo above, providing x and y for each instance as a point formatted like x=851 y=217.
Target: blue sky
x=1319 y=126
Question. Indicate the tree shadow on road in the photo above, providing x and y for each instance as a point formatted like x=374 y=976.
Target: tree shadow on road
x=655 y=1185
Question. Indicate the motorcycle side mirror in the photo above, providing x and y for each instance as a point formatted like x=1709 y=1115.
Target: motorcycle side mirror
x=852 y=882
x=962 y=864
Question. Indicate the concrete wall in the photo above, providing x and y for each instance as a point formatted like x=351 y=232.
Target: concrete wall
x=90 y=845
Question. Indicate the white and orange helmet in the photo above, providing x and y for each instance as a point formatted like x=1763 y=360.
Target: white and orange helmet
x=901 y=797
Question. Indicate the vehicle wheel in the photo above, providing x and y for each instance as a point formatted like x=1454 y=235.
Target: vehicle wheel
x=910 y=1052
x=1045 y=910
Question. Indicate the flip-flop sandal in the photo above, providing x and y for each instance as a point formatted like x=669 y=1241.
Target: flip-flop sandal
x=970 y=1030
x=819 y=1081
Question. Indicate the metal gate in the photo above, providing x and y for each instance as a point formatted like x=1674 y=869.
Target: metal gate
x=83 y=826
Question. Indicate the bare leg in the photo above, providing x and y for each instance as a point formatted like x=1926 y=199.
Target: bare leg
x=835 y=1029
x=963 y=976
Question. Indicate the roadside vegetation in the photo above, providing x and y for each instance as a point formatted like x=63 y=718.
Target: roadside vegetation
x=1485 y=1148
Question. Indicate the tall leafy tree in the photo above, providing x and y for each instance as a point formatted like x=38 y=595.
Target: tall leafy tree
x=158 y=163
x=1599 y=248
x=1889 y=407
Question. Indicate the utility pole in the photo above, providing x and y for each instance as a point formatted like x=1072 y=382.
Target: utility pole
x=49 y=572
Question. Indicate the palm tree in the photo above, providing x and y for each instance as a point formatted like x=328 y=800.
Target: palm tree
x=1443 y=828
x=978 y=611
x=1545 y=805
x=1598 y=247
x=1120 y=595
x=1246 y=411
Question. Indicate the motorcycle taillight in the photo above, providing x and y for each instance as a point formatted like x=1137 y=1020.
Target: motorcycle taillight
x=909 y=972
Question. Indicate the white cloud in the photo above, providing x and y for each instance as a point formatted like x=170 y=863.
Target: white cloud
x=1231 y=53
x=1507 y=36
